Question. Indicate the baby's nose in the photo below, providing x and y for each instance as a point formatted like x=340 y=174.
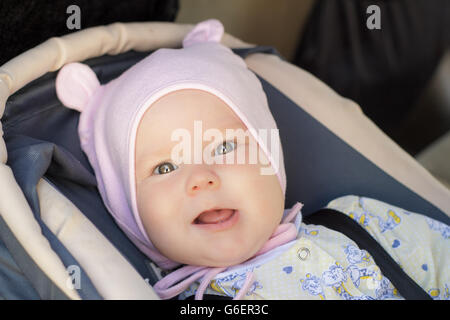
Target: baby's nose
x=202 y=180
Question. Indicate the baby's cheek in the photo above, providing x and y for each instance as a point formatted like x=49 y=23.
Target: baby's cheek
x=157 y=206
x=146 y=215
x=147 y=206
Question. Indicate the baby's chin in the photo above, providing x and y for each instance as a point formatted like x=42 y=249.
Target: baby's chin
x=223 y=260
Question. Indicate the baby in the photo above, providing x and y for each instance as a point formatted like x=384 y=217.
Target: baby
x=216 y=210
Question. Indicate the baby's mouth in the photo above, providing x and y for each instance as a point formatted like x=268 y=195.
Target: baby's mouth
x=215 y=216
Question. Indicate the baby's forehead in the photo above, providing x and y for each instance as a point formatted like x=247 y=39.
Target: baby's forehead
x=191 y=112
x=186 y=108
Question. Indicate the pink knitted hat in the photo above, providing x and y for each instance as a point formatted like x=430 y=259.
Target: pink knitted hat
x=110 y=114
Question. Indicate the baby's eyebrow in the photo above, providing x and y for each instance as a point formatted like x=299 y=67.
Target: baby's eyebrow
x=155 y=154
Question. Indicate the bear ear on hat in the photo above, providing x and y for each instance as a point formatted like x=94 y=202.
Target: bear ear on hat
x=206 y=31
x=75 y=85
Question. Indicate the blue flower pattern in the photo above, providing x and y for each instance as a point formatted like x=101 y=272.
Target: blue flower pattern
x=312 y=285
x=443 y=229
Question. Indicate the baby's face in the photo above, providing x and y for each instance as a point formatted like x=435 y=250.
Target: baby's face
x=171 y=195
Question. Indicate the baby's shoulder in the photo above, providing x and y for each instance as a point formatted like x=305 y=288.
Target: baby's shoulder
x=381 y=218
x=358 y=204
x=370 y=213
x=362 y=209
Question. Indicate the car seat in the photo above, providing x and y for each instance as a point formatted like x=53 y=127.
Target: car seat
x=57 y=241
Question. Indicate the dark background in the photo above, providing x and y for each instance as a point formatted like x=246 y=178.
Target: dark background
x=26 y=23
x=388 y=72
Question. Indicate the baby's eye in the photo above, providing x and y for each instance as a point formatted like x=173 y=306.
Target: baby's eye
x=164 y=168
x=223 y=148
x=226 y=146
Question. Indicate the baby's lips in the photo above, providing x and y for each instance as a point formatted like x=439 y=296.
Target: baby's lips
x=214 y=216
x=225 y=222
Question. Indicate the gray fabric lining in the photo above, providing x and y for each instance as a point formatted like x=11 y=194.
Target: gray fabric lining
x=20 y=277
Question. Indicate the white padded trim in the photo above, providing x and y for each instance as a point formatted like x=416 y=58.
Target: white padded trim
x=19 y=218
x=109 y=271
x=436 y=158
